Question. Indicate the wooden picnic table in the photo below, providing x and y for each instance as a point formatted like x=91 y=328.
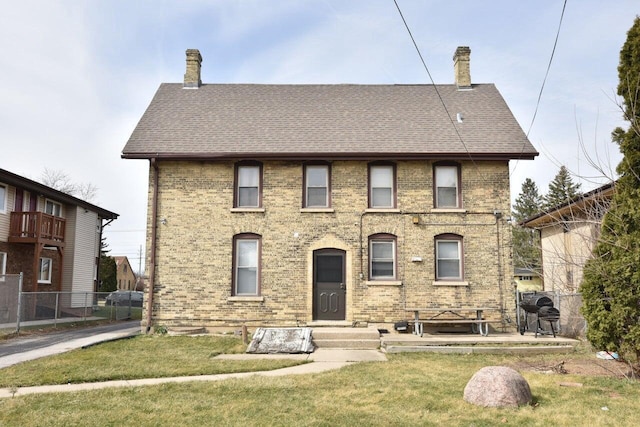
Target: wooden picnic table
x=451 y=315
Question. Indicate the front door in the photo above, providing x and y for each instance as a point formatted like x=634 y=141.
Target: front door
x=19 y=200
x=329 y=289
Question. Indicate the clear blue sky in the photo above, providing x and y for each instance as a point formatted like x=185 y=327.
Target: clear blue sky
x=75 y=76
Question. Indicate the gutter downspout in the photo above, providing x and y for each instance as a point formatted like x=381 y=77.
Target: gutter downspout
x=152 y=255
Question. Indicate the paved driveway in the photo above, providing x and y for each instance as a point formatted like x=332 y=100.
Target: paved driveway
x=31 y=347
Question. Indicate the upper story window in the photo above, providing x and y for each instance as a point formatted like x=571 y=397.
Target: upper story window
x=53 y=208
x=449 y=257
x=317 y=180
x=446 y=180
x=3 y=198
x=248 y=185
x=382 y=257
x=382 y=186
x=246 y=264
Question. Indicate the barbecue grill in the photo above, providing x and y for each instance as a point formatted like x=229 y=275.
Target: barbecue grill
x=542 y=308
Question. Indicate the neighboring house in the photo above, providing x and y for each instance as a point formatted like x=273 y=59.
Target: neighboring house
x=332 y=204
x=568 y=234
x=140 y=282
x=51 y=237
x=125 y=276
x=527 y=280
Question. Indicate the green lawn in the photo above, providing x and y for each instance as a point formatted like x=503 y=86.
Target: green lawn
x=146 y=356
x=409 y=389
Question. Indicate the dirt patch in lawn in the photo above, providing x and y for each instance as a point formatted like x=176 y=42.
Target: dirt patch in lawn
x=579 y=366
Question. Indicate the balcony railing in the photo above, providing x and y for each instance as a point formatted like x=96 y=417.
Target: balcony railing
x=36 y=227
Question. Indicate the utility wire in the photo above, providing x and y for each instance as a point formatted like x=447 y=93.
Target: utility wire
x=424 y=64
x=535 y=112
x=553 y=51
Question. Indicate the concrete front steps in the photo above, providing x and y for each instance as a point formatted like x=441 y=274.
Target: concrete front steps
x=348 y=338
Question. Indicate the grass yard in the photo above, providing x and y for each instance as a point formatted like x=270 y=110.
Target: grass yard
x=140 y=357
x=409 y=389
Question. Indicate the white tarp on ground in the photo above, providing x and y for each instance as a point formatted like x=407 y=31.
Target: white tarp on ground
x=281 y=340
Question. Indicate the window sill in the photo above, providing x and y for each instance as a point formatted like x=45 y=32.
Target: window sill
x=317 y=210
x=448 y=210
x=382 y=210
x=255 y=298
x=383 y=283
x=247 y=209
x=451 y=283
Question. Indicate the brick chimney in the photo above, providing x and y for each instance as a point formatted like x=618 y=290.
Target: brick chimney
x=462 y=67
x=192 y=76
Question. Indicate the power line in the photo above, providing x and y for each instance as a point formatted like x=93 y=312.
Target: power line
x=546 y=74
x=435 y=87
x=553 y=51
x=424 y=64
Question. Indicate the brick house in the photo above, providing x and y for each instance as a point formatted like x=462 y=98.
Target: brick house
x=125 y=277
x=339 y=204
x=51 y=237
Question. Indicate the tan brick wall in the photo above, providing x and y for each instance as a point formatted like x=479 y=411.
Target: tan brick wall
x=194 y=251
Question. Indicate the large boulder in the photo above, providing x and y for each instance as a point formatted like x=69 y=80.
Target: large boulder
x=497 y=386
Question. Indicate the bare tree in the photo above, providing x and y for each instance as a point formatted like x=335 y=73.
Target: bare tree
x=60 y=181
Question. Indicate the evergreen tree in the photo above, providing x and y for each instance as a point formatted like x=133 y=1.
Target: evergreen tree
x=611 y=283
x=526 y=242
x=561 y=189
x=529 y=202
x=107 y=278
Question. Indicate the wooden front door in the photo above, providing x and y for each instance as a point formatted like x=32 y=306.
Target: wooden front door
x=329 y=288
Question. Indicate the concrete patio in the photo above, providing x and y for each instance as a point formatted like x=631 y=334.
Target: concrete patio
x=495 y=342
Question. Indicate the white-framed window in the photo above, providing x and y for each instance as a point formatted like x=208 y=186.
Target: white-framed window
x=316 y=186
x=52 y=208
x=248 y=186
x=44 y=273
x=382 y=186
x=447 y=186
x=3 y=198
x=382 y=257
x=246 y=265
x=449 y=265
x=3 y=265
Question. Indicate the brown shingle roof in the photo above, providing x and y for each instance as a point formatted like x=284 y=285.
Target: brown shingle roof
x=328 y=121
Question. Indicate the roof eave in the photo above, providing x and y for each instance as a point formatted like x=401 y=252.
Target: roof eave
x=46 y=191
x=327 y=155
x=556 y=213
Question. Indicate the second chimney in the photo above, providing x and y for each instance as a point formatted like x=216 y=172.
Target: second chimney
x=192 y=76
x=462 y=67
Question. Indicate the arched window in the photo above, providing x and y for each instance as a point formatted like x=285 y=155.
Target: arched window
x=449 y=257
x=246 y=264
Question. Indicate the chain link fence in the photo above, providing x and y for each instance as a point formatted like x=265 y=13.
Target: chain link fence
x=25 y=309
x=10 y=288
x=571 y=323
